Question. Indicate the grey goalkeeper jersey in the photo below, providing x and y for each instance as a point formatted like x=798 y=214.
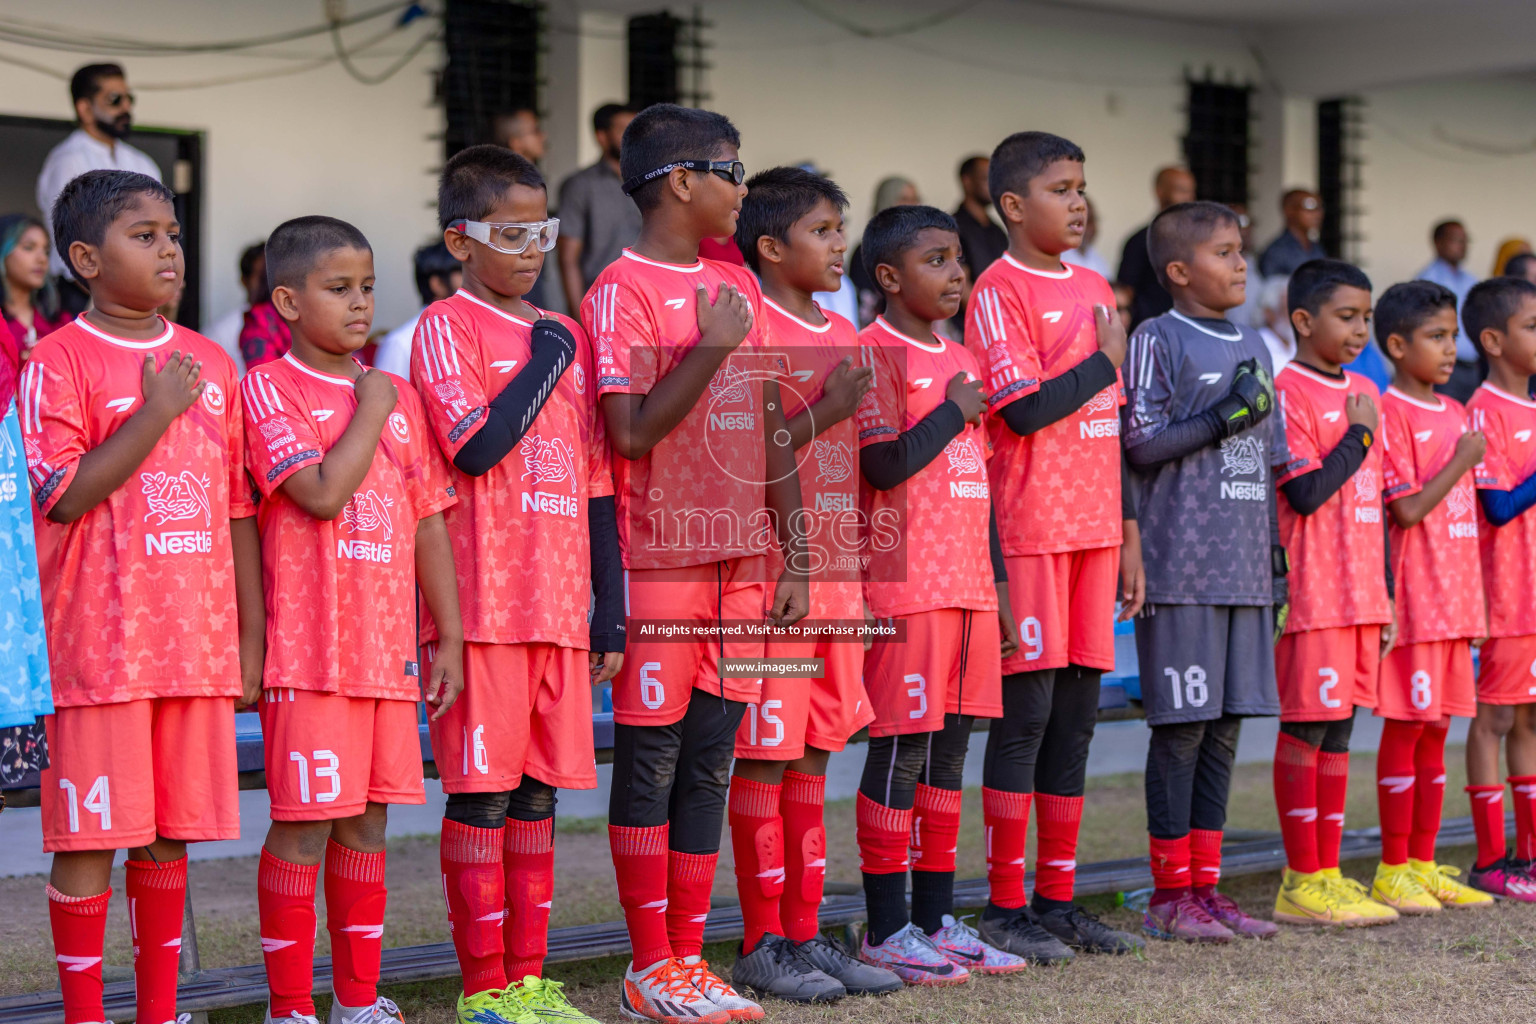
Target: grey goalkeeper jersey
x=1205 y=517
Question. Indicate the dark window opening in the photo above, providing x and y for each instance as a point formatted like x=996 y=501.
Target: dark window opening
x=1217 y=140
x=493 y=66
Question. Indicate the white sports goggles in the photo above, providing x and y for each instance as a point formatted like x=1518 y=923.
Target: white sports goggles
x=513 y=237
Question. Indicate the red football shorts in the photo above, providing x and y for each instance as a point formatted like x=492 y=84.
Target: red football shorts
x=1425 y=682
x=821 y=712
x=330 y=756
x=525 y=709
x=1506 y=672
x=914 y=682
x=1064 y=604
x=659 y=673
x=1324 y=674
x=122 y=774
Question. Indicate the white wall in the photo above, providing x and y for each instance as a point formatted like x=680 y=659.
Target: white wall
x=313 y=142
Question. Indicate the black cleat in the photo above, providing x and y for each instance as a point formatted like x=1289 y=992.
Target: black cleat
x=1019 y=932
x=776 y=968
x=1081 y=930
x=833 y=959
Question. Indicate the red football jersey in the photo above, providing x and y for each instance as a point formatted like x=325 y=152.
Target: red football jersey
x=1436 y=564
x=138 y=593
x=1509 y=551
x=1059 y=488
x=520 y=543
x=697 y=496
x=829 y=465
x=928 y=536
x=340 y=593
x=1338 y=565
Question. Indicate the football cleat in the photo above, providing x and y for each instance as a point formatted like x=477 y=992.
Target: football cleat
x=1020 y=932
x=1080 y=929
x=1505 y=877
x=382 y=1011
x=665 y=993
x=736 y=1006
x=294 y=1017
x=833 y=959
x=1225 y=910
x=1315 y=899
x=1399 y=887
x=963 y=946
x=776 y=968
x=545 y=1000
x=1358 y=897
x=1185 y=919
x=1440 y=881
x=913 y=958
x=492 y=1007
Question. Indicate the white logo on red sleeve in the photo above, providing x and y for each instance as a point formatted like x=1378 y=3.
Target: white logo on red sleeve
x=34 y=451
x=213 y=397
x=277 y=434
x=400 y=426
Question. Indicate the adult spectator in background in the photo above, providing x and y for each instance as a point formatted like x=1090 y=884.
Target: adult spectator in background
x=1508 y=250
x=104 y=112
x=597 y=220
x=1274 y=325
x=1450 y=240
x=522 y=132
x=1251 y=312
x=1521 y=265
x=982 y=239
x=1087 y=254
x=1297 y=243
x=225 y=331
x=892 y=191
x=27 y=301
x=1149 y=298
x=437 y=276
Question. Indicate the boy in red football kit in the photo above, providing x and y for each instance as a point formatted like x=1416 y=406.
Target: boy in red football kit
x=511 y=399
x=1052 y=344
x=1428 y=455
x=1340 y=618
x=149 y=562
x=351 y=524
x=791 y=234
x=697 y=427
x=928 y=510
x=1500 y=315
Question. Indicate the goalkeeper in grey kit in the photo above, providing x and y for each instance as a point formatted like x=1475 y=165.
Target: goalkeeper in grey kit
x=1199 y=432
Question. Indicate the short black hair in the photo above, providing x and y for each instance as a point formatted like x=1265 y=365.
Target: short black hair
x=1176 y=231
x=1439 y=230
x=602 y=117
x=1405 y=306
x=663 y=133
x=84 y=82
x=1492 y=303
x=776 y=198
x=893 y=231
x=248 y=258
x=432 y=261
x=89 y=204
x=477 y=178
x=1023 y=155
x=1516 y=264
x=968 y=165
x=1314 y=282
x=295 y=246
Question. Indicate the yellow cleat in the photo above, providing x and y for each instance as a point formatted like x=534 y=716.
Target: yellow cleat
x=1440 y=881
x=1399 y=887
x=1315 y=899
x=1358 y=897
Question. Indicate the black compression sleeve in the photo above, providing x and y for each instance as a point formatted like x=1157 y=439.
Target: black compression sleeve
x=1177 y=440
x=607 y=626
x=511 y=413
x=1386 y=548
x=1127 y=496
x=995 y=547
x=1059 y=397
x=1310 y=491
x=889 y=464
x=1504 y=506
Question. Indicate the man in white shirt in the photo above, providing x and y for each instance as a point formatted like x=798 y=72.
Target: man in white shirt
x=438 y=276
x=1450 y=239
x=104 y=110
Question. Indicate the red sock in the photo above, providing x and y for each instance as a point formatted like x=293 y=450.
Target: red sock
x=355 y=898
x=1006 y=816
x=157 y=902
x=1332 y=792
x=528 y=859
x=1057 y=820
x=1170 y=867
x=1524 y=787
x=1394 y=787
x=757 y=839
x=285 y=902
x=801 y=804
x=640 y=865
x=884 y=835
x=476 y=892
x=79 y=925
x=1296 y=801
x=1488 y=822
x=690 y=877
x=1428 y=791
x=935 y=829
x=1205 y=858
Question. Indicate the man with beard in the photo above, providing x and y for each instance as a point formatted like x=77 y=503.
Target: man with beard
x=104 y=110
x=597 y=220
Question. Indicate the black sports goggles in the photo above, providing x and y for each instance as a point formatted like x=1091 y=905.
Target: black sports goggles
x=733 y=171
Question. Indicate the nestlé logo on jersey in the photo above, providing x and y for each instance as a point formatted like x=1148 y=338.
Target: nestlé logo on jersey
x=1460 y=503
x=548 y=462
x=367 y=513
x=965 y=460
x=834 y=465
x=1103 y=427
x=728 y=387
x=174 y=499
x=1367 y=496
x=1243 y=456
x=277 y=434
